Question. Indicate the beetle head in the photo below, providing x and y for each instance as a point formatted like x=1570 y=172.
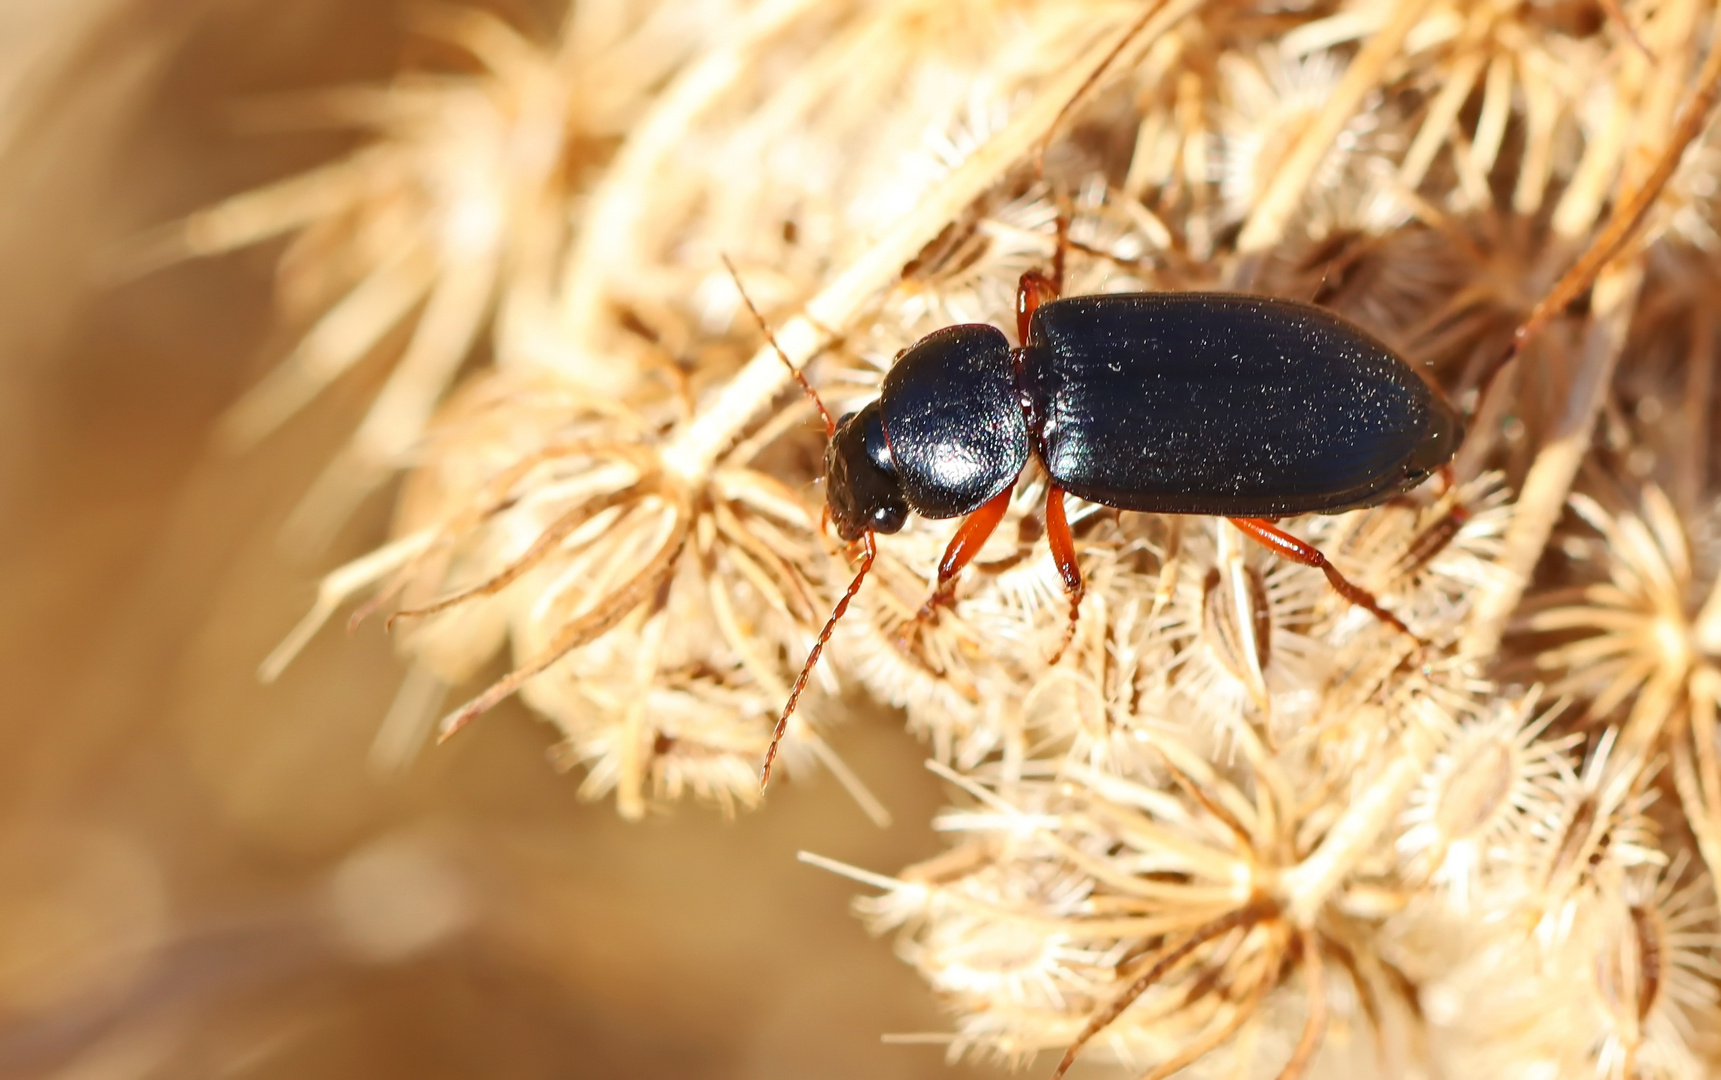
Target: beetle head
x=1439 y=442
x=861 y=484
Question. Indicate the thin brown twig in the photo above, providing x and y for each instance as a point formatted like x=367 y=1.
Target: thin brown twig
x=1316 y=1026
x=1246 y=916
x=1088 y=83
x=1621 y=227
x=542 y=548
x=599 y=620
x=1243 y=1010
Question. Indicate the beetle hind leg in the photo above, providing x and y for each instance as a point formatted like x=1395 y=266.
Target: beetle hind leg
x=1064 y=554
x=1286 y=546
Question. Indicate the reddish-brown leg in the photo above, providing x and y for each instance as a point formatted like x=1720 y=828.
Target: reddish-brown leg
x=1034 y=288
x=1064 y=554
x=970 y=537
x=1286 y=546
x=1433 y=540
x=1448 y=478
x=869 y=553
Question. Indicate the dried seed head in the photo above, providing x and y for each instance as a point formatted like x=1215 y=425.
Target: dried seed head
x=1476 y=804
x=1231 y=777
x=1652 y=967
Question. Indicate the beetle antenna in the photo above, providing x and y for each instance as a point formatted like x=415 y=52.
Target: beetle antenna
x=818 y=403
x=870 y=547
x=1622 y=225
x=1088 y=83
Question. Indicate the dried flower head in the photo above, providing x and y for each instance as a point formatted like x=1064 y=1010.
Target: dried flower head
x=1232 y=821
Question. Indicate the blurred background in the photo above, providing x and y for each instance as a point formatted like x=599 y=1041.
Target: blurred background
x=201 y=876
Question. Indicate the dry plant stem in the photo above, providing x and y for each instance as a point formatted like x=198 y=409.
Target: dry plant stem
x=406 y=727
x=1230 y=557
x=869 y=803
x=1706 y=628
x=690 y=455
x=1693 y=464
x=337 y=587
x=1267 y=221
x=635 y=736
x=1617 y=14
x=1626 y=219
x=235 y=222
x=1070 y=103
x=1701 y=810
x=1306 y=887
x=1437 y=124
x=453 y=315
x=1705 y=690
x=1550 y=478
x=340 y=338
x=1246 y=917
x=620 y=200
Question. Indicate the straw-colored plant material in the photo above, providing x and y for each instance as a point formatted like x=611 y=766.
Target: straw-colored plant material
x=1239 y=825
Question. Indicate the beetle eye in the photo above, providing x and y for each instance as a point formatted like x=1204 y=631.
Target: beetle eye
x=889 y=519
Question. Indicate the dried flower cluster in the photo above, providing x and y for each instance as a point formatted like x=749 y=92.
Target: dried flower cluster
x=1239 y=825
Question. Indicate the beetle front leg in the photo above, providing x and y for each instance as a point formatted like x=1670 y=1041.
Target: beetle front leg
x=970 y=537
x=1286 y=546
x=1064 y=554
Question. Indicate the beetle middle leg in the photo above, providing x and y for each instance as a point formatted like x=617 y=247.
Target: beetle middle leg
x=1035 y=287
x=1286 y=546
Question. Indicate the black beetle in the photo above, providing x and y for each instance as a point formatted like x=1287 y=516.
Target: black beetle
x=1240 y=406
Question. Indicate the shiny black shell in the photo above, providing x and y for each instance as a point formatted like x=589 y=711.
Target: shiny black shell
x=1226 y=404
x=953 y=420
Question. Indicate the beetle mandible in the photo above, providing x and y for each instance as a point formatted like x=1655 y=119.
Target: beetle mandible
x=1239 y=406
